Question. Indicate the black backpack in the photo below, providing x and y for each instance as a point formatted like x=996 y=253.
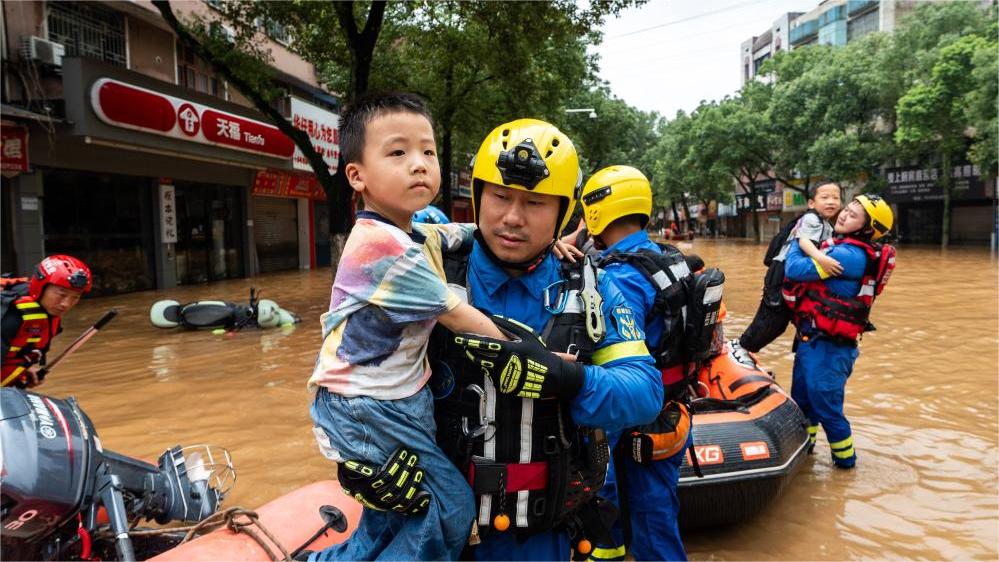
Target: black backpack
x=777 y=242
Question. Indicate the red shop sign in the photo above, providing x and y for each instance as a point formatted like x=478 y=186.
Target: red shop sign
x=123 y=105
x=276 y=183
x=14 y=154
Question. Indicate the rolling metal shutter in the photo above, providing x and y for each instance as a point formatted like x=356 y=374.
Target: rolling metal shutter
x=275 y=232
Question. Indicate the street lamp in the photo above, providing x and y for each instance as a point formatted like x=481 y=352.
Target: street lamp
x=592 y=112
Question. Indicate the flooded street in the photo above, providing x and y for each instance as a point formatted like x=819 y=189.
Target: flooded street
x=922 y=401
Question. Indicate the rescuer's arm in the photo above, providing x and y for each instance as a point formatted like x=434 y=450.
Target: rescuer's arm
x=827 y=263
x=799 y=267
x=622 y=387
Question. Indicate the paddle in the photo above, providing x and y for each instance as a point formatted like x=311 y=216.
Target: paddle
x=86 y=335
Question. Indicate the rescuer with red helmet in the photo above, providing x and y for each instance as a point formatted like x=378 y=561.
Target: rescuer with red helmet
x=32 y=309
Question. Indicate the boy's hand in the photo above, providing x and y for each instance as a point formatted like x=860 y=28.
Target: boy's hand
x=831 y=266
x=565 y=251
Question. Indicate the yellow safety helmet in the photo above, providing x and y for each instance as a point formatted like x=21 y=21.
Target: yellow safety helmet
x=529 y=155
x=615 y=192
x=881 y=218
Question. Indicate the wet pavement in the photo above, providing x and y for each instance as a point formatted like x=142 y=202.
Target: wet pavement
x=922 y=401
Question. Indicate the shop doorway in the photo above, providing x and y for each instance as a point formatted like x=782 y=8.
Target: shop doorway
x=275 y=232
x=209 y=234
x=923 y=225
x=106 y=221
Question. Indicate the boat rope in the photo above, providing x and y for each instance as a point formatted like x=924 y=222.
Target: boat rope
x=228 y=519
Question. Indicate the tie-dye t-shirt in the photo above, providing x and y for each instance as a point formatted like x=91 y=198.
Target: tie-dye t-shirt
x=388 y=292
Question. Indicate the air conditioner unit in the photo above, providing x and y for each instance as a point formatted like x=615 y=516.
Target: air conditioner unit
x=43 y=51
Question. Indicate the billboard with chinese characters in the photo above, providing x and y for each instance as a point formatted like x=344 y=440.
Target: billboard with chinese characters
x=14 y=151
x=323 y=128
x=922 y=184
x=124 y=105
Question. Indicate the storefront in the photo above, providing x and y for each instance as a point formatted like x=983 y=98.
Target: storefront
x=285 y=224
x=151 y=185
x=768 y=204
x=917 y=199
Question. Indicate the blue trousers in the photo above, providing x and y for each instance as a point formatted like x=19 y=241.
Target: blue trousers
x=550 y=545
x=653 y=510
x=821 y=368
x=369 y=430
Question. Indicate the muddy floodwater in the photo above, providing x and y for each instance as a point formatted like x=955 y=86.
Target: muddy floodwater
x=922 y=400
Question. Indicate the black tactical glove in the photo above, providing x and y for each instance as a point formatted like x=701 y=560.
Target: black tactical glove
x=523 y=366
x=393 y=487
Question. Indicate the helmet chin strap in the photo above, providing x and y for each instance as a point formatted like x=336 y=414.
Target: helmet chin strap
x=526 y=265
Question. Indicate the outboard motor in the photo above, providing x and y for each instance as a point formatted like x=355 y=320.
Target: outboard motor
x=56 y=476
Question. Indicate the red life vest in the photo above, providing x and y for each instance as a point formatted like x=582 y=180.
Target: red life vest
x=35 y=332
x=817 y=308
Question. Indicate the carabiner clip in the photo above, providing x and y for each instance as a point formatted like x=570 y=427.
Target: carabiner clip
x=563 y=298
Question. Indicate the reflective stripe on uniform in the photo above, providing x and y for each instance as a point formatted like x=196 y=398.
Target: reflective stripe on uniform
x=813 y=431
x=25 y=305
x=14 y=348
x=27 y=317
x=842 y=449
x=33 y=340
x=600 y=553
x=13 y=375
x=818 y=268
x=619 y=351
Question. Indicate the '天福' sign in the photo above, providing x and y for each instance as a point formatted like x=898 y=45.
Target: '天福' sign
x=123 y=105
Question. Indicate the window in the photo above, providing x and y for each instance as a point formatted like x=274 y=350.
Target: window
x=277 y=32
x=759 y=62
x=88 y=30
x=194 y=73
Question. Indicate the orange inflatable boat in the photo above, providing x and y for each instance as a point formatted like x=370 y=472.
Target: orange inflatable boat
x=749 y=441
x=293 y=519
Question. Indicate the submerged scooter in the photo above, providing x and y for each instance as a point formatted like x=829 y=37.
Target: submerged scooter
x=221 y=314
x=67 y=498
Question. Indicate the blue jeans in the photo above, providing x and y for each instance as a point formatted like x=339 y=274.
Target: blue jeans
x=821 y=368
x=370 y=430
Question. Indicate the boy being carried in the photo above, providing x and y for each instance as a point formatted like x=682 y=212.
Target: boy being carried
x=810 y=230
x=372 y=406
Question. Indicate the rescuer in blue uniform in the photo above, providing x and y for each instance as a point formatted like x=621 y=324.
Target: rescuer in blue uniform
x=520 y=210
x=617 y=202
x=831 y=313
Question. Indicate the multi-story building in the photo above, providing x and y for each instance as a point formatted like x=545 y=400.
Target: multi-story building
x=124 y=149
x=758 y=49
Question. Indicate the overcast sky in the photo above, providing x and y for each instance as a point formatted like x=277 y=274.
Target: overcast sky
x=668 y=55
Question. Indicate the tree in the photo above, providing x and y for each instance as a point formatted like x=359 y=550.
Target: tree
x=729 y=138
x=932 y=115
x=471 y=85
x=980 y=103
x=825 y=113
x=681 y=165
